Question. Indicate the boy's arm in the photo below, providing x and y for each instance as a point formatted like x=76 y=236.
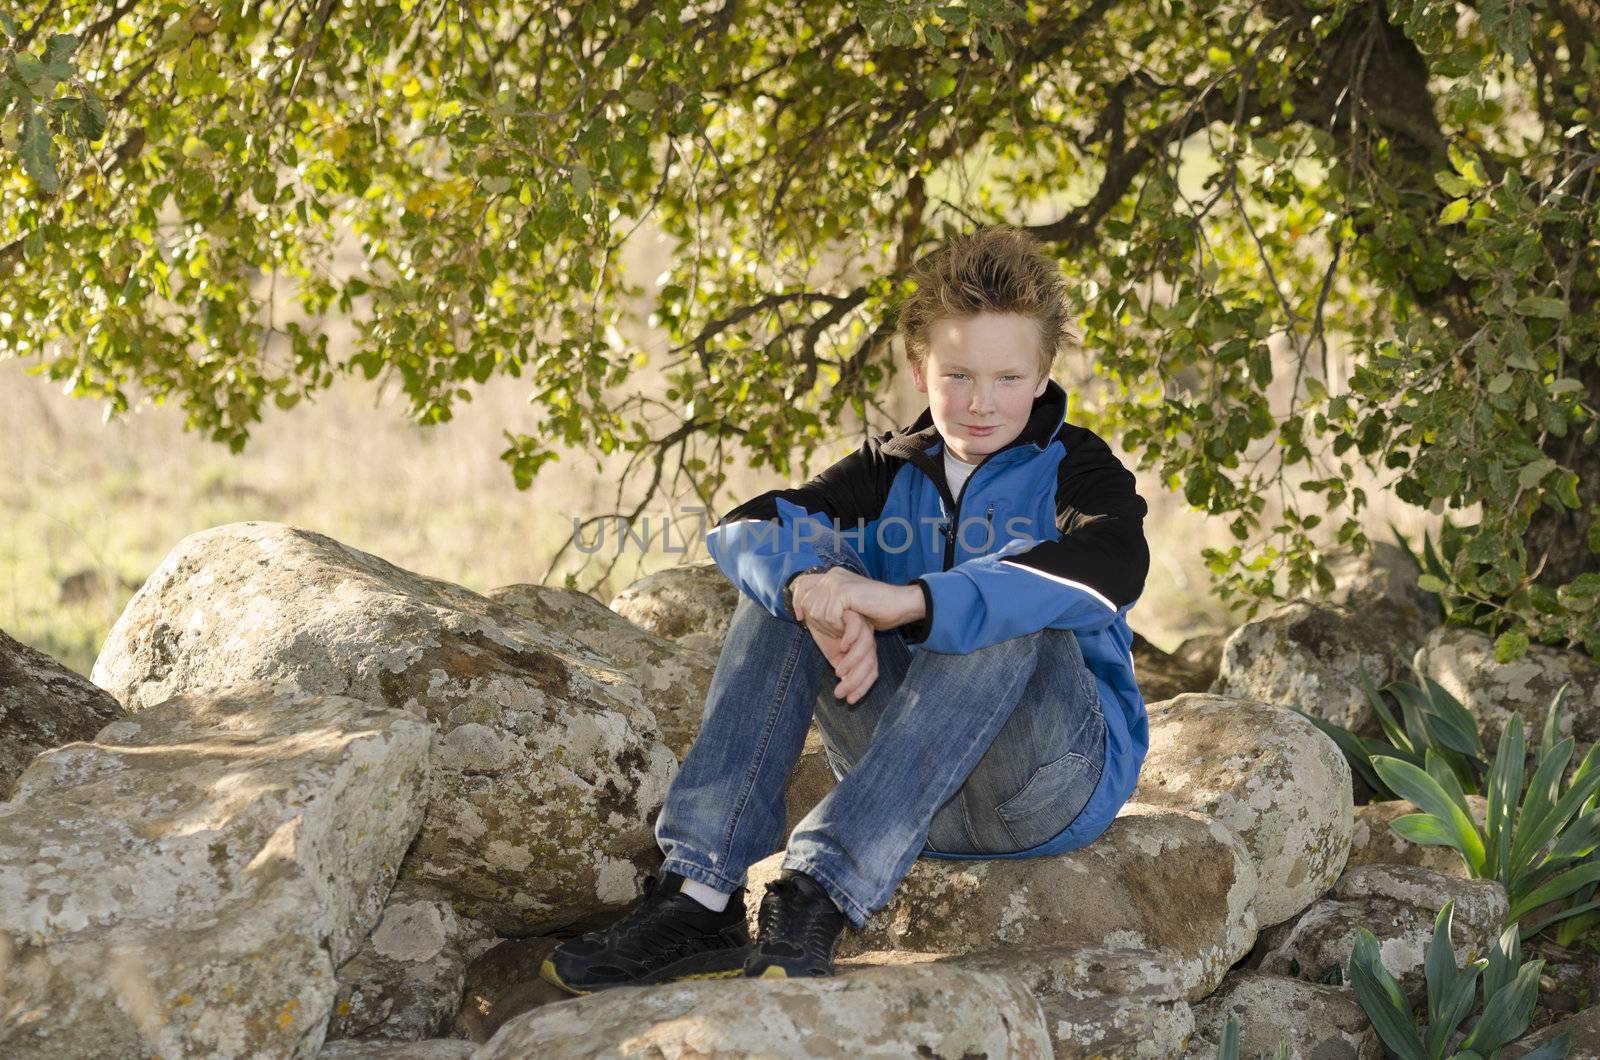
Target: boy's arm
x=1081 y=582
x=768 y=540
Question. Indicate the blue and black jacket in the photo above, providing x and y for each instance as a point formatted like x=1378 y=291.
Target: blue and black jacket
x=1048 y=533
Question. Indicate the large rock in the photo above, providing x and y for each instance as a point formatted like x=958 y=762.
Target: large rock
x=1316 y=1021
x=1123 y=891
x=692 y=605
x=1373 y=842
x=1384 y=581
x=1462 y=661
x=43 y=705
x=1398 y=904
x=547 y=765
x=1309 y=656
x=1097 y=1001
x=382 y=1049
x=1273 y=778
x=672 y=679
x=1581 y=1030
x=187 y=884
x=931 y=1010
x=406 y=980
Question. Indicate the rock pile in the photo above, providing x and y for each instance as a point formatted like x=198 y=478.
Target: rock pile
x=326 y=806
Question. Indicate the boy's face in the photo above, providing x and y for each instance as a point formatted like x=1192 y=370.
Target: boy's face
x=981 y=371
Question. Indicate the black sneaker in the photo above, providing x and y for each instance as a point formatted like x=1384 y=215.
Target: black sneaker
x=797 y=927
x=667 y=935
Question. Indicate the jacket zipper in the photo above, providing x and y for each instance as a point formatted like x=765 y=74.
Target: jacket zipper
x=954 y=521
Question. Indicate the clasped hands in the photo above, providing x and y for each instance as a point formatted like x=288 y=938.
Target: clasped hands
x=842 y=610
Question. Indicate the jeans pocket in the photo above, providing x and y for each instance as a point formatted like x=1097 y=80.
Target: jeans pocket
x=1050 y=800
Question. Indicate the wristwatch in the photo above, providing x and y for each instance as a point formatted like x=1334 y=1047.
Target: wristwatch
x=788 y=586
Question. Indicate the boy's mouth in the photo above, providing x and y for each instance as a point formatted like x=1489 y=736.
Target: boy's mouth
x=980 y=431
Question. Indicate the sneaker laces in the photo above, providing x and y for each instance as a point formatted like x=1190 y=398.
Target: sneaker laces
x=653 y=926
x=791 y=917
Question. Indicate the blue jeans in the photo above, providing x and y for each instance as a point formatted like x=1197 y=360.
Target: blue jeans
x=994 y=751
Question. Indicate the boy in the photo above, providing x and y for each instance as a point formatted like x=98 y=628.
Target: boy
x=967 y=580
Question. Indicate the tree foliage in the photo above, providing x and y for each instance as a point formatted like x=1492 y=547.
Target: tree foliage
x=1414 y=183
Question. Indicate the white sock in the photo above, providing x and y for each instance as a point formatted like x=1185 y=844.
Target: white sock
x=709 y=897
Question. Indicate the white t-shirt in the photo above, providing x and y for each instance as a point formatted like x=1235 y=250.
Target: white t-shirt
x=956 y=472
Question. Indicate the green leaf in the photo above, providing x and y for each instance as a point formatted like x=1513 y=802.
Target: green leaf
x=1414 y=784
x=28 y=68
x=1380 y=998
x=1560 y=887
x=1505 y=957
x=1510 y=646
x=1454 y=211
x=1538 y=805
x=60 y=47
x=1439 y=966
x=1504 y=794
x=1506 y=1013
x=1431 y=584
x=7 y=26
x=1423 y=828
x=94 y=115
x=1546 y=308
x=1531 y=475
x=1228 y=1048
x=1542 y=830
x=39 y=153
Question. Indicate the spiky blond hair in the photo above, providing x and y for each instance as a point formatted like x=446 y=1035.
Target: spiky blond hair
x=997 y=269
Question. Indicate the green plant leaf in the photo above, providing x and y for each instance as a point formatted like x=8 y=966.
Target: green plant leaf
x=1547 y=308
x=1414 y=784
x=1513 y=644
x=1380 y=998
x=1576 y=911
x=1550 y=731
x=1386 y=720
x=1439 y=962
x=1507 y=1012
x=39 y=153
x=1425 y=829
x=1504 y=795
x=1505 y=957
x=1535 y=830
x=1560 y=887
x=1228 y=1048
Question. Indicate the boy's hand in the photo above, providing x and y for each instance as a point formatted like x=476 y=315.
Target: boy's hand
x=853 y=656
x=822 y=600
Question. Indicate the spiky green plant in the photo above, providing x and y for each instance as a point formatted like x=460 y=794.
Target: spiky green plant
x=1506 y=988
x=1538 y=841
x=1430 y=719
x=1228 y=1048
